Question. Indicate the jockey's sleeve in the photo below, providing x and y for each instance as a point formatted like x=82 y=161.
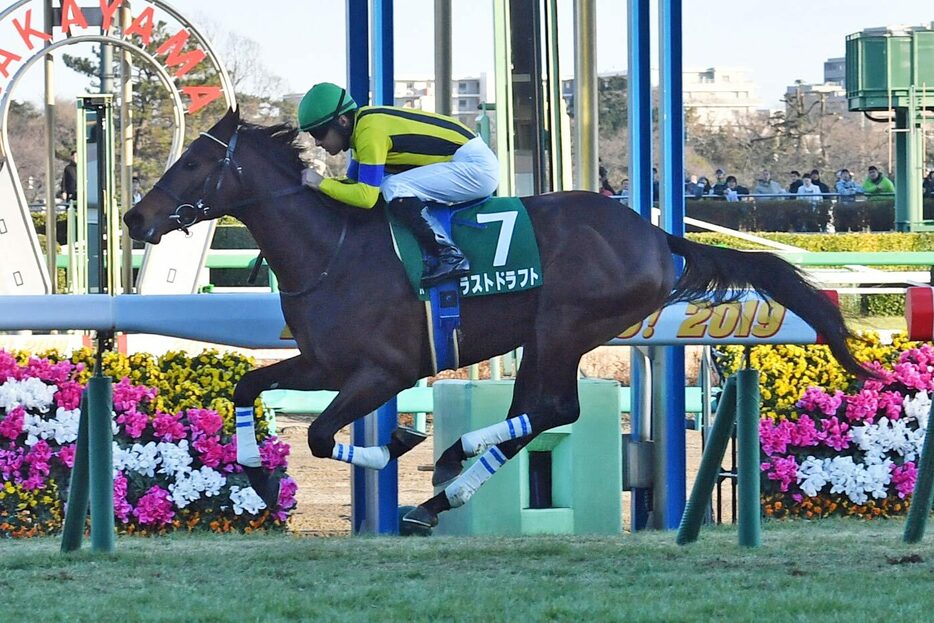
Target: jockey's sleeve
x=370 y=150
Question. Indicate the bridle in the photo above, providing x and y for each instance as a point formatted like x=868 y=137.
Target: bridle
x=188 y=213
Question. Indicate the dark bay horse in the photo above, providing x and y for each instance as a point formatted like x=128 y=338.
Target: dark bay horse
x=361 y=330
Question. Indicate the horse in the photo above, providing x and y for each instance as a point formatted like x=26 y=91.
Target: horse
x=361 y=330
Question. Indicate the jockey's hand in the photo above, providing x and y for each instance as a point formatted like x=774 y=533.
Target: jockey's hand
x=311 y=178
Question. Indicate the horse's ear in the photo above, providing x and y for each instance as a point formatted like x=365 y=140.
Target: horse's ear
x=228 y=124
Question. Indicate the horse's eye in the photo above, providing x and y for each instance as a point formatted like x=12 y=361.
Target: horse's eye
x=191 y=164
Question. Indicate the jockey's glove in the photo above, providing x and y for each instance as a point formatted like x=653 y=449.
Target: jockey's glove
x=312 y=178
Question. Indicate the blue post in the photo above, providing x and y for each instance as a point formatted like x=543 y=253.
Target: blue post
x=375 y=493
x=640 y=200
x=670 y=444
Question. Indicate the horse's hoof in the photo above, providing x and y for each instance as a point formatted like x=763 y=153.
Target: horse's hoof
x=404 y=439
x=265 y=485
x=408 y=437
x=446 y=471
x=410 y=529
x=420 y=517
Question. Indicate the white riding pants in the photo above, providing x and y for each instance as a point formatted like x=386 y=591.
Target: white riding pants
x=473 y=173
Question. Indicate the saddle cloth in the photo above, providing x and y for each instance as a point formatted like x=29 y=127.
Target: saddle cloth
x=496 y=236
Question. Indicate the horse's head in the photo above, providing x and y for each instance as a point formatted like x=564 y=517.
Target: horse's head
x=200 y=186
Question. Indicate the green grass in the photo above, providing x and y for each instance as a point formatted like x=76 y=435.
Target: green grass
x=824 y=571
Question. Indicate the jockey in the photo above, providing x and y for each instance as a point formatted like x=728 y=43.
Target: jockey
x=411 y=156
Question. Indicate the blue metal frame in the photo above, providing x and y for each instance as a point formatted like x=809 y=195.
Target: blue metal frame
x=640 y=200
x=669 y=425
x=375 y=495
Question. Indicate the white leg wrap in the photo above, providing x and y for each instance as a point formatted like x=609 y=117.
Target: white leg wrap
x=247 y=450
x=462 y=489
x=372 y=457
x=477 y=441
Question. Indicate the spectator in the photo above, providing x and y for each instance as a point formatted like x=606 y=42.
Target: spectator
x=847 y=188
x=734 y=190
x=877 y=183
x=720 y=186
x=815 y=179
x=703 y=187
x=928 y=184
x=765 y=185
x=795 y=182
x=808 y=191
x=137 y=190
x=624 y=189
x=69 y=188
x=690 y=187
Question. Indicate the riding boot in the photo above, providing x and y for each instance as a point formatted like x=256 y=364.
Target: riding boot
x=447 y=261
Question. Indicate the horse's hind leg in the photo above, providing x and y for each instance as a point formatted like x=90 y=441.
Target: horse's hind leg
x=295 y=373
x=551 y=390
x=516 y=425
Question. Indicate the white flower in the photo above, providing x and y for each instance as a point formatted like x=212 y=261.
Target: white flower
x=918 y=407
x=32 y=393
x=812 y=475
x=66 y=425
x=176 y=459
x=246 y=500
x=190 y=486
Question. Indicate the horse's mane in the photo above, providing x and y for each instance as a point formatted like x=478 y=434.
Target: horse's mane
x=279 y=141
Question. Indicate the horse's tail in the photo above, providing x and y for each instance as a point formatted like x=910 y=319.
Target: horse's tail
x=718 y=274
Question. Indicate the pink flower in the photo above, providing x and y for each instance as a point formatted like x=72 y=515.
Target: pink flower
x=33 y=483
x=154 y=508
x=122 y=508
x=781 y=469
x=211 y=452
x=862 y=407
x=11 y=461
x=13 y=425
x=169 y=427
x=817 y=400
x=797 y=497
x=287 y=489
x=774 y=437
x=891 y=404
x=127 y=397
x=904 y=477
x=835 y=434
x=45 y=370
x=204 y=422
x=38 y=458
x=67 y=455
x=9 y=369
x=68 y=395
x=911 y=376
x=805 y=433
x=134 y=422
x=274 y=453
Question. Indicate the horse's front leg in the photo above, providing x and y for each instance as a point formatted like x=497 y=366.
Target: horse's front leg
x=299 y=373
x=363 y=392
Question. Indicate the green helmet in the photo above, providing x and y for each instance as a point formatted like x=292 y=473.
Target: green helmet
x=322 y=104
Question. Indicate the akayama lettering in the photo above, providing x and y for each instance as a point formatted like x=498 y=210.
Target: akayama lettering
x=756 y=318
x=141 y=28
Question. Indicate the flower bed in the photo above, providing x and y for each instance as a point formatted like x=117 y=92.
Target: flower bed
x=849 y=452
x=173 y=469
